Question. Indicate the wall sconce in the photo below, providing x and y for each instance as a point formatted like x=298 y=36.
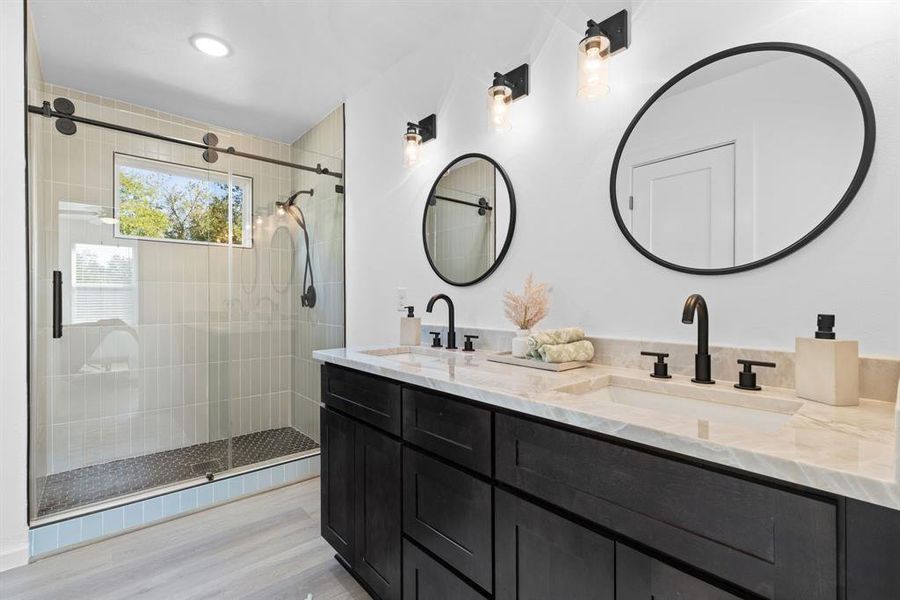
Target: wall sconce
x=601 y=40
x=416 y=135
x=506 y=88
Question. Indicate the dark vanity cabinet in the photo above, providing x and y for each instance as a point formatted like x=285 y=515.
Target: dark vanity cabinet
x=766 y=540
x=338 y=485
x=361 y=493
x=640 y=577
x=543 y=555
x=428 y=496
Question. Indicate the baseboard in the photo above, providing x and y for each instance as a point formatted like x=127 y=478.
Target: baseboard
x=15 y=557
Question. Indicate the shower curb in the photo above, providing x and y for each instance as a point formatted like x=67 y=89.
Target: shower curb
x=47 y=540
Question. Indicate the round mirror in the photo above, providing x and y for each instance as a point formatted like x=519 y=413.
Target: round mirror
x=742 y=158
x=470 y=215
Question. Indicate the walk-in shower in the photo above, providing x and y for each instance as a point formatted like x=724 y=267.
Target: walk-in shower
x=171 y=330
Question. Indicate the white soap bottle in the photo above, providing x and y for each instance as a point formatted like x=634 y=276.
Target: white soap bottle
x=826 y=369
x=410 y=328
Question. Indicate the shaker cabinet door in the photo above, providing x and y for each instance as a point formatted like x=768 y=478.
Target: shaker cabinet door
x=378 y=510
x=338 y=482
x=540 y=555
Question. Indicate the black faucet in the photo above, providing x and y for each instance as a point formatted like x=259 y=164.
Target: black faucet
x=702 y=362
x=451 y=333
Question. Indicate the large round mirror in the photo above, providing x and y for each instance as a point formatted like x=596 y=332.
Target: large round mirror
x=742 y=158
x=470 y=215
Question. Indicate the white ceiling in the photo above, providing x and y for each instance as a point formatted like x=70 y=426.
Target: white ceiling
x=292 y=62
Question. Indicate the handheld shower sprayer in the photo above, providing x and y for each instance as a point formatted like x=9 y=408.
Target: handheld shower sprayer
x=308 y=293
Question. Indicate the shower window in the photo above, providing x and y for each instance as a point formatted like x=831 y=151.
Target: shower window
x=157 y=200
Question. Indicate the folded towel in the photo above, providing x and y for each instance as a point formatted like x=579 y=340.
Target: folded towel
x=582 y=350
x=552 y=336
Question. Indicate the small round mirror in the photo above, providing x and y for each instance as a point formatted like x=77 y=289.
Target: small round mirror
x=470 y=215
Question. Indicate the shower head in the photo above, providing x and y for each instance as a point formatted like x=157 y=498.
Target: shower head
x=308 y=293
x=293 y=197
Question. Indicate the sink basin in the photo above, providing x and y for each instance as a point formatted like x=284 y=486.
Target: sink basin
x=726 y=405
x=411 y=355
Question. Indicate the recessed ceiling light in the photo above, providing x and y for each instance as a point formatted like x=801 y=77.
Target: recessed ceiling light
x=210 y=45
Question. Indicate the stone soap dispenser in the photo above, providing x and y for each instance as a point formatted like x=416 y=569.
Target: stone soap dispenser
x=827 y=369
x=410 y=328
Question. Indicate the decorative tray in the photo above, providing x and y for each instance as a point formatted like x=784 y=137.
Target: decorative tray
x=533 y=363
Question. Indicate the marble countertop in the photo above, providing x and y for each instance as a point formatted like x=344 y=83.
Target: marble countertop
x=850 y=451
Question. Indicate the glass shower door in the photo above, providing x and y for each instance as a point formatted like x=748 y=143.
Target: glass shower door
x=120 y=272
x=251 y=328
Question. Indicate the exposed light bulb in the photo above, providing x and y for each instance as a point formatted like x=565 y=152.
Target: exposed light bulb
x=412 y=143
x=593 y=67
x=281 y=210
x=499 y=99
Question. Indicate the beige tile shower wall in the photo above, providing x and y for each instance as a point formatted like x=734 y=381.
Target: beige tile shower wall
x=460 y=239
x=323 y=325
x=207 y=352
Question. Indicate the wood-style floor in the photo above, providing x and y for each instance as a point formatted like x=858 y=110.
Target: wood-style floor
x=266 y=546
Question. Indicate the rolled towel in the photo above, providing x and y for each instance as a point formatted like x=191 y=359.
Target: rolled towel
x=581 y=350
x=553 y=336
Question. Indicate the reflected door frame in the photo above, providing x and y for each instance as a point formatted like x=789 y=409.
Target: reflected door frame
x=715 y=166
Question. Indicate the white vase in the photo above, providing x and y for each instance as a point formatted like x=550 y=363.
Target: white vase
x=520 y=343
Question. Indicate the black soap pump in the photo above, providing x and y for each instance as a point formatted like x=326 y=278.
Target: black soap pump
x=410 y=328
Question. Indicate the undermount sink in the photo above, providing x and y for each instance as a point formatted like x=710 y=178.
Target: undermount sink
x=411 y=355
x=727 y=406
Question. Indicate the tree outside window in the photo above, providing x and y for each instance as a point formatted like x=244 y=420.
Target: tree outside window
x=162 y=201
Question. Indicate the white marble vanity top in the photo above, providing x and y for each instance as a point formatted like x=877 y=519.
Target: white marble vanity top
x=851 y=451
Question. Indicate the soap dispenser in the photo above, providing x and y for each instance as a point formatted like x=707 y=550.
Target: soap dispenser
x=827 y=369
x=410 y=328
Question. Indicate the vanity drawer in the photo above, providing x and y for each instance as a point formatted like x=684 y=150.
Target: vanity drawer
x=426 y=579
x=368 y=398
x=775 y=543
x=454 y=430
x=639 y=576
x=448 y=512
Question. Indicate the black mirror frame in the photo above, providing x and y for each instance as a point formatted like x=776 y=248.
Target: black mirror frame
x=868 y=113
x=509 y=234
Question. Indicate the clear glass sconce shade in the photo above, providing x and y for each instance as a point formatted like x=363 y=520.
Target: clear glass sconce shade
x=412 y=146
x=499 y=99
x=593 y=67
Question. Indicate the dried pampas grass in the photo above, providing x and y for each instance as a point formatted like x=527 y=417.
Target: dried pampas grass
x=527 y=310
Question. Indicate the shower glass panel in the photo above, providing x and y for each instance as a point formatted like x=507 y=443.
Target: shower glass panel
x=168 y=340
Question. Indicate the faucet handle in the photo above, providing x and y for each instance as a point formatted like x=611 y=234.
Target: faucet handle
x=468 y=346
x=436 y=342
x=660 y=367
x=747 y=378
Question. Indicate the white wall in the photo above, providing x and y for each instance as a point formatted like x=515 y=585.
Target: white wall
x=559 y=155
x=13 y=404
